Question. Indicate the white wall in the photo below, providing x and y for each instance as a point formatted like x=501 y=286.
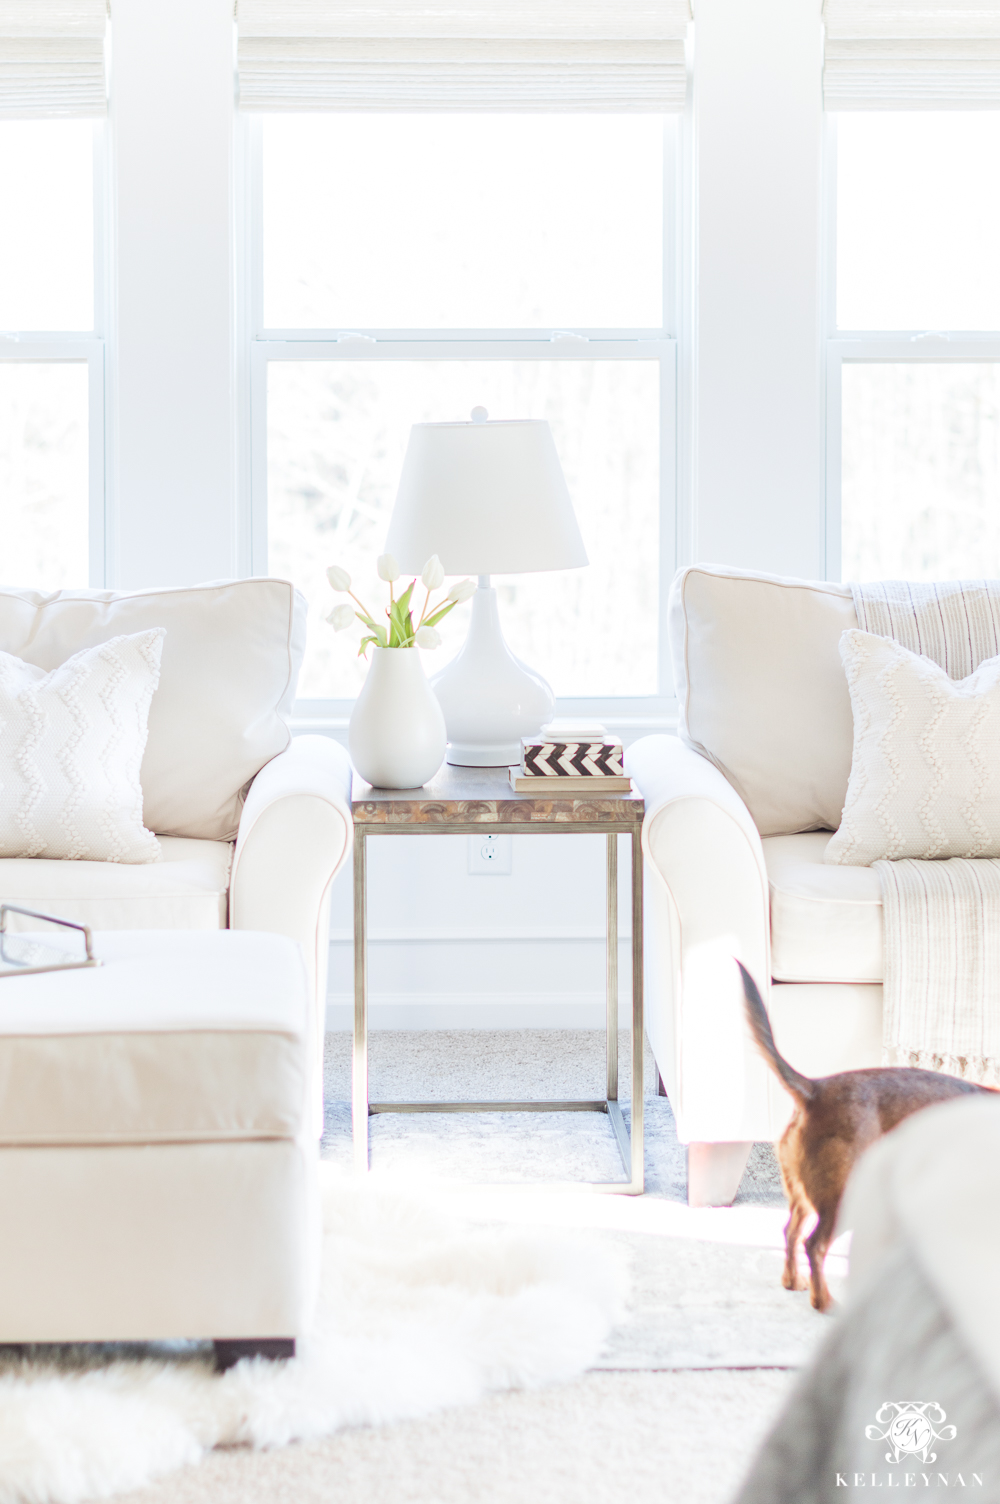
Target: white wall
x=448 y=947
x=450 y=950
x=757 y=117
x=172 y=419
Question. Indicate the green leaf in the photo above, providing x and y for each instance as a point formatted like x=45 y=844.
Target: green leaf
x=433 y=620
x=404 y=600
x=402 y=624
x=378 y=637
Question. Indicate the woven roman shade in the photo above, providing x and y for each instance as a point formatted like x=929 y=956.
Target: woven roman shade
x=52 y=58
x=912 y=55
x=566 y=55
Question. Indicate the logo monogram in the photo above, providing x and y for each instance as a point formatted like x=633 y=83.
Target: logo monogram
x=909 y=1428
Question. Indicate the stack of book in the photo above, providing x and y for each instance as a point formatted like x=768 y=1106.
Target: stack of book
x=567 y=758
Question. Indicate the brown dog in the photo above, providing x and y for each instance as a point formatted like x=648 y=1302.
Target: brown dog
x=836 y=1118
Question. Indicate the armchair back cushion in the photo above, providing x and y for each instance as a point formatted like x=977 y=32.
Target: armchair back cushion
x=762 y=690
x=231 y=658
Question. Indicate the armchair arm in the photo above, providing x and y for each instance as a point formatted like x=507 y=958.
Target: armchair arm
x=295 y=834
x=706 y=901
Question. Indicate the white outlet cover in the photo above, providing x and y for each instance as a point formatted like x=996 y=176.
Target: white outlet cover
x=490 y=856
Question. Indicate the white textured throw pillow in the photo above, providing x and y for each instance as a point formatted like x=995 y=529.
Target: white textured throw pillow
x=925 y=776
x=71 y=745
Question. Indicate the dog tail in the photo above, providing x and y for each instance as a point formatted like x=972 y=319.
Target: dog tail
x=760 y=1026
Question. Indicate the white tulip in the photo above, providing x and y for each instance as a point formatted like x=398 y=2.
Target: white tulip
x=428 y=637
x=341 y=617
x=463 y=591
x=433 y=575
x=339 y=578
x=387 y=568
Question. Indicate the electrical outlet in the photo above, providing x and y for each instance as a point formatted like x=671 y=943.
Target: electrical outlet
x=490 y=856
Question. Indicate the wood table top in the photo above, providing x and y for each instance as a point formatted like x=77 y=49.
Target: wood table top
x=483 y=796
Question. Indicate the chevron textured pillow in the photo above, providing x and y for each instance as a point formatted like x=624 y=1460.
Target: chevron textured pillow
x=71 y=745
x=925 y=775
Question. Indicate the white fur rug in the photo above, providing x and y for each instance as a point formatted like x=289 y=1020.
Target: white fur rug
x=414 y=1315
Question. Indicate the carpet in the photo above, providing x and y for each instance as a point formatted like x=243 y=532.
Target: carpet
x=644 y=1438
x=415 y=1315
x=706 y=1282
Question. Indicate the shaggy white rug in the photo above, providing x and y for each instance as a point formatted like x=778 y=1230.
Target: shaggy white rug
x=415 y=1314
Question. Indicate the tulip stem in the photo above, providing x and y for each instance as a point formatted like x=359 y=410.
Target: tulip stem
x=361 y=604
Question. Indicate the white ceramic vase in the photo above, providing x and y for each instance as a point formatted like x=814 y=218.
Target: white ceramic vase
x=396 y=736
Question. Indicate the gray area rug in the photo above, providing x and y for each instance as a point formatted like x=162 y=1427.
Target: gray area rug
x=707 y=1290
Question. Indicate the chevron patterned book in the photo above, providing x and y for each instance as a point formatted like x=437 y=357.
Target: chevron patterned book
x=545 y=758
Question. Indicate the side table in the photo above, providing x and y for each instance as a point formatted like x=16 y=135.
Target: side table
x=467 y=801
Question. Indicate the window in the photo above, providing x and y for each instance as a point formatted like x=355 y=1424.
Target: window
x=481 y=221
x=921 y=469
x=44 y=472
x=918 y=220
x=410 y=267
x=914 y=369
x=51 y=359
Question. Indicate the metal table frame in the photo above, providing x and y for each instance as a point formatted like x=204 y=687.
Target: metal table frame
x=630 y=1145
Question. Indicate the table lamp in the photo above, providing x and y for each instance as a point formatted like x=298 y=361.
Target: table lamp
x=487 y=498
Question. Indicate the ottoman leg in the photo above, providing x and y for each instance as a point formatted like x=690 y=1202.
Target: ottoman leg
x=229 y=1350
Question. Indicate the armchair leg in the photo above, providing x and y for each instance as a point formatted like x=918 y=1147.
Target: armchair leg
x=715 y=1172
x=229 y=1350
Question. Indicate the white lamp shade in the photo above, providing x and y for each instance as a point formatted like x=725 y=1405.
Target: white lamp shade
x=487 y=498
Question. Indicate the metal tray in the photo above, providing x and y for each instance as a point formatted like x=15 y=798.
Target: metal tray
x=26 y=953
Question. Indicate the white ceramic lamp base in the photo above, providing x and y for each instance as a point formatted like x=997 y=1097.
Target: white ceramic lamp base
x=489 y=698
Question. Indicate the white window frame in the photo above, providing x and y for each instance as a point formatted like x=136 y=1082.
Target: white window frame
x=24 y=346
x=647 y=712
x=875 y=347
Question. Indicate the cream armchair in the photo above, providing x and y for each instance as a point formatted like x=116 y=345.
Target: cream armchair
x=739 y=809
x=253 y=826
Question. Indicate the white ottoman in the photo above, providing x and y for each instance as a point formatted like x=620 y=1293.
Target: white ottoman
x=158 y=1170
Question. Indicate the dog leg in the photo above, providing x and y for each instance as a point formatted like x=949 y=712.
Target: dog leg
x=799 y=1205
x=800 y=1209
x=817 y=1243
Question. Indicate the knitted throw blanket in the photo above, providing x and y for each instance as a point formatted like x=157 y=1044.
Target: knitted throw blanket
x=941 y=982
